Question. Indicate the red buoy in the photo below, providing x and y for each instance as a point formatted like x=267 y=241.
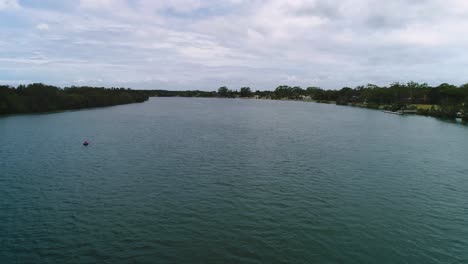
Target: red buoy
x=86 y=143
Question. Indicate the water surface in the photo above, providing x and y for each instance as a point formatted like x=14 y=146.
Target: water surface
x=186 y=180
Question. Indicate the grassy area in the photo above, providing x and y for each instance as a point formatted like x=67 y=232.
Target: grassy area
x=425 y=106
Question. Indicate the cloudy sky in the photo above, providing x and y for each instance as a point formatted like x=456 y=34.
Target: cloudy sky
x=204 y=44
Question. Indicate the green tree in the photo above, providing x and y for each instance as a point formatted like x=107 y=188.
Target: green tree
x=223 y=91
x=245 y=92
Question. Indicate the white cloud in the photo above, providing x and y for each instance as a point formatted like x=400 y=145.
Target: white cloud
x=6 y=4
x=183 y=6
x=33 y=61
x=100 y=4
x=42 y=27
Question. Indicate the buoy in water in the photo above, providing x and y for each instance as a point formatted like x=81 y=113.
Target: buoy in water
x=85 y=143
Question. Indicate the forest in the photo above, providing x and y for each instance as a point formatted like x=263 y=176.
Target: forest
x=39 y=97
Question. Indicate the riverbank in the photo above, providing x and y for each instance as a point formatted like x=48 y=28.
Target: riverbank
x=411 y=109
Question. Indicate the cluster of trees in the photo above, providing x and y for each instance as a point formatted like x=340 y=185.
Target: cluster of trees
x=223 y=92
x=39 y=97
x=447 y=100
x=244 y=92
x=281 y=92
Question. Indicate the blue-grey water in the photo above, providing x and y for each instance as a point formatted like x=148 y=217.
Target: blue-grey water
x=180 y=180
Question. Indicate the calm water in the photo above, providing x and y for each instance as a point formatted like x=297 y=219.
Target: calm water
x=178 y=180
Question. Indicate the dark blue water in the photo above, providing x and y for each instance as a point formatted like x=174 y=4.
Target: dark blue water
x=178 y=180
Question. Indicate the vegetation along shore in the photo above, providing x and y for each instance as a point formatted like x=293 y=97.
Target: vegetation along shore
x=444 y=101
x=38 y=97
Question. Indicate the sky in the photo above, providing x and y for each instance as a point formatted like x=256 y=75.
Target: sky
x=205 y=44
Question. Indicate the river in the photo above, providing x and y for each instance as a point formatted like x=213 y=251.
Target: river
x=191 y=180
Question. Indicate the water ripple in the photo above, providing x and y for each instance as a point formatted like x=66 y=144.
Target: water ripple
x=179 y=180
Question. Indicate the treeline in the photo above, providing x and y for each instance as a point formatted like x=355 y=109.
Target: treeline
x=166 y=93
x=39 y=97
x=223 y=92
x=445 y=100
